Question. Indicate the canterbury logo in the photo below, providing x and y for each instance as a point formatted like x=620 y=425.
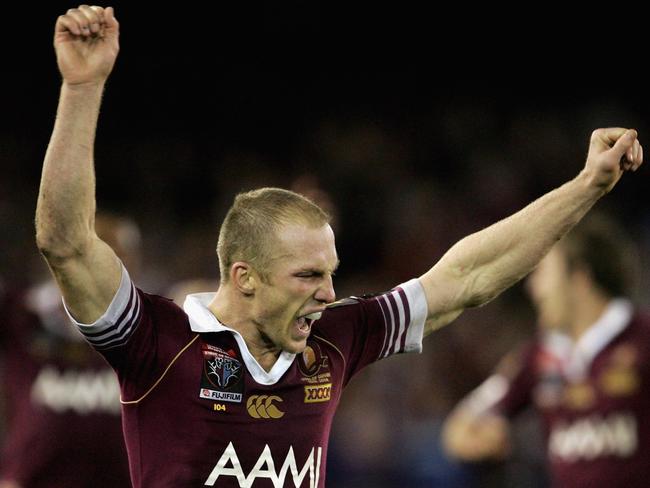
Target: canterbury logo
x=261 y=407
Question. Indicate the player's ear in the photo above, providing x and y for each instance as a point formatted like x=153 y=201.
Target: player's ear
x=243 y=277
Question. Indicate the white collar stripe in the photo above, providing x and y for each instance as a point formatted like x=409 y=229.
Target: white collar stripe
x=204 y=321
x=616 y=317
x=578 y=356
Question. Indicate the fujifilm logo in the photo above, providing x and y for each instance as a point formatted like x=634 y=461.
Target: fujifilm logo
x=265 y=468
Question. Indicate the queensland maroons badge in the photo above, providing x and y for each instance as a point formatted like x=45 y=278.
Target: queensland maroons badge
x=221 y=378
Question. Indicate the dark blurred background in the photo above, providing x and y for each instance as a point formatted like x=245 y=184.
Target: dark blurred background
x=414 y=128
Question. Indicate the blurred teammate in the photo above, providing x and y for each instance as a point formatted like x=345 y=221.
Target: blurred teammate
x=240 y=389
x=587 y=372
x=61 y=398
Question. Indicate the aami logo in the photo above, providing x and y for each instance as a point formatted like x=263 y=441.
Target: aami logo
x=318 y=393
x=82 y=392
x=261 y=407
x=265 y=468
x=595 y=436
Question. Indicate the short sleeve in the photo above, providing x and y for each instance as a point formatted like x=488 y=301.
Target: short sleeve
x=370 y=328
x=119 y=322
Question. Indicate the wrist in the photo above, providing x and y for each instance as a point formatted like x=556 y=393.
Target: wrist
x=85 y=88
x=590 y=184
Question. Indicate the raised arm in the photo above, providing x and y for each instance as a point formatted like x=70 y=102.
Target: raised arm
x=86 y=269
x=479 y=267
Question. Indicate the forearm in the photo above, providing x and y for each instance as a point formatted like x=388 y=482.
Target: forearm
x=500 y=255
x=86 y=268
x=66 y=202
x=482 y=265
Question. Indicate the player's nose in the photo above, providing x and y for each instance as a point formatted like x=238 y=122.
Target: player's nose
x=325 y=292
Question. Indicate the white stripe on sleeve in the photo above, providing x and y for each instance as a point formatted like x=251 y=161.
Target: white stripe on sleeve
x=120 y=320
x=405 y=311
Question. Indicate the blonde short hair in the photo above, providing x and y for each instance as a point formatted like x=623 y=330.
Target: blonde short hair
x=249 y=230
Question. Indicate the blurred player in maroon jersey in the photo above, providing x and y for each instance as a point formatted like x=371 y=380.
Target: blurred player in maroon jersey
x=240 y=388
x=587 y=372
x=61 y=397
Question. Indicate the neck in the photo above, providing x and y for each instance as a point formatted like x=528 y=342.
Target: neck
x=588 y=309
x=234 y=311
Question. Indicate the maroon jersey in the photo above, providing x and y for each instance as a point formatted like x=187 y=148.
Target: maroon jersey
x=200 y=411
x=594 y=399
x=62 y=406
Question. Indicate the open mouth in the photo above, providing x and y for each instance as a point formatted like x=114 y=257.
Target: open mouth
x=305 y=322
x=314 y=316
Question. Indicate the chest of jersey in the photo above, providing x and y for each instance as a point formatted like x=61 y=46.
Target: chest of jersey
x=230 y=430
x=615 y=380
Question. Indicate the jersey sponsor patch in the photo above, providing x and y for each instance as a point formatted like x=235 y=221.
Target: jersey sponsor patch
x=318 y=393
x=268 y=467
x=221 y=378
x=314 y=365
x=312 y=360
x=579 y=396
x=264 y=407
x=595 y=436
x=621 y=377
x=80 y=391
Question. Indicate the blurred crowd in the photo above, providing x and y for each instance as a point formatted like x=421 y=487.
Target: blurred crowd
x=404 y=183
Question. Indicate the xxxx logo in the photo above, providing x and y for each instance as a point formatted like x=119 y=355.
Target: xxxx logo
x=261 y=407
x=318 y=393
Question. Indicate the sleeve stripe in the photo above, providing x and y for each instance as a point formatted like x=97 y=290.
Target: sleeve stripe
x=407 y=316
x=401 y=304
x=119 y=323
x=120 y=320
x=121 y=335
x=398 y=326
x=390 y=325
x=404 y=310
x=384 y=313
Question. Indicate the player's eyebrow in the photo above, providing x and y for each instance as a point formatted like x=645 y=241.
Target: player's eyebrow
x=318 y=270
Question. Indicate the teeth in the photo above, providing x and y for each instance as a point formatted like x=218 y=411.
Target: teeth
x=314 y=316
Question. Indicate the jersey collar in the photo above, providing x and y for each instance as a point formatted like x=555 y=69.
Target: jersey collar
x=202 y=320
x=579 y=355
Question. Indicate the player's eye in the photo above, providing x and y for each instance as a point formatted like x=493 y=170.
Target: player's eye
x=308 y=274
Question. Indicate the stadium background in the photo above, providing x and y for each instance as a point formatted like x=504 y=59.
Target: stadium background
x=414 y=136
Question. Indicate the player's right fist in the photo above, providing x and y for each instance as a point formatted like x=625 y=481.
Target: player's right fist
x=86 y=40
